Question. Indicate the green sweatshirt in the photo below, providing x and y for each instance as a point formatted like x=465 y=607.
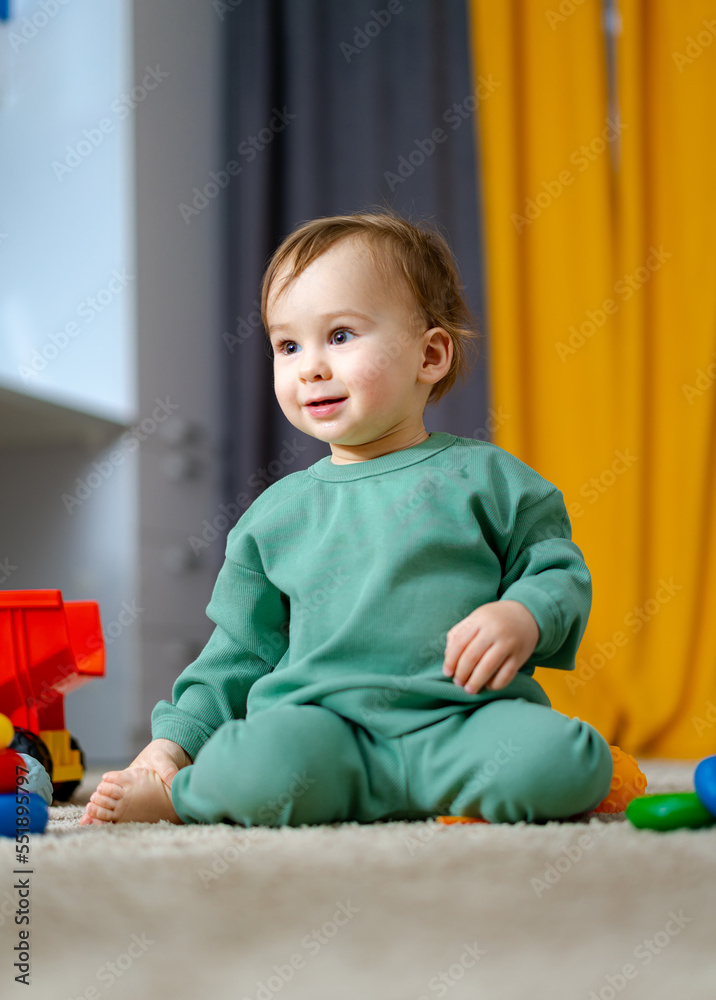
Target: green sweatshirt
x=341 y=582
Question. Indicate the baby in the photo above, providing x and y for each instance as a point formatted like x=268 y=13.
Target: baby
x=379 y=616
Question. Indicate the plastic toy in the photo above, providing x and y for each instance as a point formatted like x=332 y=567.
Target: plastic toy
x=6 y=731
x=9 y=815
x=461 y=819
x=705 y=782
x=47 y=649
x=27 y=743
x=669 y=812
x=9 y=763
x=628 y=781
x=21 y=810
x=690 y=810
x=35 y=778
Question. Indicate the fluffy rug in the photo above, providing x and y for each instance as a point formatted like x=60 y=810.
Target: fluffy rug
x=392 y=911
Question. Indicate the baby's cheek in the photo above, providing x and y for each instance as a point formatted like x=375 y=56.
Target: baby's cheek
x=372 y=381
x=285 y=392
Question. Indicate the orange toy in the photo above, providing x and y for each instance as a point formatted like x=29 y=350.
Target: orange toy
x=460 y=819
x=628 y=781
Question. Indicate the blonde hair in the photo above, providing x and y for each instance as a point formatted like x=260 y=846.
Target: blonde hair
x=414 y=254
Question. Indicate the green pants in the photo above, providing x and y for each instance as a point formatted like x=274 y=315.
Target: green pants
x=506 y=761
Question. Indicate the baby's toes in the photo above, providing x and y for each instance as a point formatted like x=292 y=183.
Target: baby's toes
x=109 y=790
x=89 y=819
x=115 y=777
x=91 y=815
x=101 y=812
x=108 y=802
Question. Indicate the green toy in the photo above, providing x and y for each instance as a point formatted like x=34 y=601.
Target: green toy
x=669 y=812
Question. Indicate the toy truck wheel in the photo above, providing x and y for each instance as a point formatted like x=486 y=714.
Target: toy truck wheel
x=63 y=790
x=30 y=743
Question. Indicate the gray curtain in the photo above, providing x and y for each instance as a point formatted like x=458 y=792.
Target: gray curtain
x=325 y=103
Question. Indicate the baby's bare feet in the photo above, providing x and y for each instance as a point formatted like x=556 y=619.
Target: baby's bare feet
x=135 y=795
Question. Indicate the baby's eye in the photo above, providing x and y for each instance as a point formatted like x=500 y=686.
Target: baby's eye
x=281 y=344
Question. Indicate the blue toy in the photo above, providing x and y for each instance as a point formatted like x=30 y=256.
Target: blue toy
x=705 y=783
x=22 y=813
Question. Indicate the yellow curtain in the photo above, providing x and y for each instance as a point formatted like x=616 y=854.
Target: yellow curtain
x=600 y=219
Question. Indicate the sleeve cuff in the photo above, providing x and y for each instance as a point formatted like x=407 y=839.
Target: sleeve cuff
x=166 y=725
x=545 y=612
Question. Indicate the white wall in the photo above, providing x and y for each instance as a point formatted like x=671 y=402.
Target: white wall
x=91 y=409
x=67 y=255
x=68 y=371
x=179 y=296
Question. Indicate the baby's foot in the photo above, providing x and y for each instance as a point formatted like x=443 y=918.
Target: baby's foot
x=135 y=795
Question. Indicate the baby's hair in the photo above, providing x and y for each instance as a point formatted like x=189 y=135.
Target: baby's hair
x=414 y=254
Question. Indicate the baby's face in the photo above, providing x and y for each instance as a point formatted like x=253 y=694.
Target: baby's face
x=337 y=332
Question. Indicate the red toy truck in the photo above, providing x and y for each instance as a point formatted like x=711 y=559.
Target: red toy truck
x=47 y=649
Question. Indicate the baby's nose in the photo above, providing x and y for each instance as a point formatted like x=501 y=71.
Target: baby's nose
x=313 y=363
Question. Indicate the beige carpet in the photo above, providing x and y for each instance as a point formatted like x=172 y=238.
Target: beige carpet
x=392 y=911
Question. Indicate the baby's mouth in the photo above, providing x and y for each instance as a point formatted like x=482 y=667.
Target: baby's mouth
x=326 y=407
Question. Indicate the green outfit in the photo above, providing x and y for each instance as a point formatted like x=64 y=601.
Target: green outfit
x=370 y=564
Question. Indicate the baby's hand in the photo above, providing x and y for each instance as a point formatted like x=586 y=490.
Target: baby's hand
x=490 y=645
